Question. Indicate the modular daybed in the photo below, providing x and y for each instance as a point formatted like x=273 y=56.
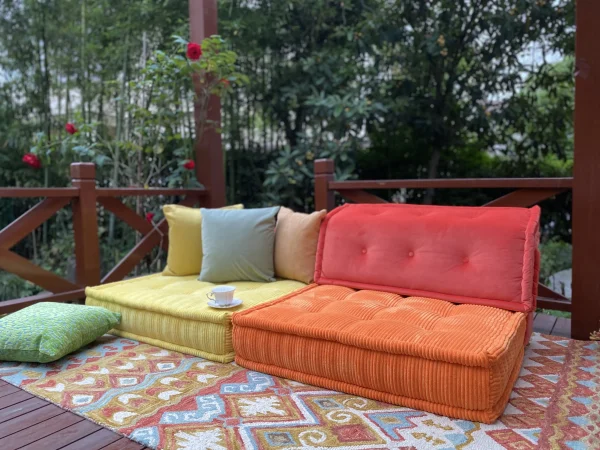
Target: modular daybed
x=423 y=306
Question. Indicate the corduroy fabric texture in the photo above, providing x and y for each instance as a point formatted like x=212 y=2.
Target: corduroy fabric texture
x=482 y=256
x=171 y=312
x=456 y=360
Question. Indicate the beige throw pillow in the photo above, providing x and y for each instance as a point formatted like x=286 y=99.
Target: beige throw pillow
x=296 y=238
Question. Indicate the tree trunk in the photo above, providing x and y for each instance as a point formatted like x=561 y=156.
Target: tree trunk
x=82 y=76
x=68 y=95
x=432 y=172
x=44 y=71
x=120 y=117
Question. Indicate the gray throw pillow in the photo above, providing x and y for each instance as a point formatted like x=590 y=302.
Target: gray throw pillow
x=238 y=244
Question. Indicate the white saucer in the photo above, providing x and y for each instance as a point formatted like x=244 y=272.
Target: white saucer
x=236 y=302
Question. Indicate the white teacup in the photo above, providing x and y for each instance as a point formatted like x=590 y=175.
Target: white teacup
x=222 y=295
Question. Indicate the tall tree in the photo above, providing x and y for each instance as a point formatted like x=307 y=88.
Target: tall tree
x=447 y=78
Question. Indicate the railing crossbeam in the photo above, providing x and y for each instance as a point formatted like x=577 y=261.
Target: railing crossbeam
x=146 y=244
x=13 y=233
x=22 y=267
x=129 y=216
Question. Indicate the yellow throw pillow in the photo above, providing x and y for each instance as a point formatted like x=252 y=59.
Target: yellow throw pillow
x=185 y=239
x=296 y=238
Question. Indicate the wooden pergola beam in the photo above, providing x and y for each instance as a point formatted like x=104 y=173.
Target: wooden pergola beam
x=210 y=170
x=586 y=185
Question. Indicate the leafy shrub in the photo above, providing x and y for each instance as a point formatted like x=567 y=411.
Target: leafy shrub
x=556 y=256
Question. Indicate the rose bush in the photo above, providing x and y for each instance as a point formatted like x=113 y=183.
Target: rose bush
x=32 y=160
x=70 y=128
x=194 y=51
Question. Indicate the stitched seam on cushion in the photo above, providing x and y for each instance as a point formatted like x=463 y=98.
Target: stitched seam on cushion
x=509 y=337
x=530 y=231
x=506 y=305
x=412 y=205
x=494 y=366
x=481 y=359
x=171 y=346
x=137 y=308
x=321 y=243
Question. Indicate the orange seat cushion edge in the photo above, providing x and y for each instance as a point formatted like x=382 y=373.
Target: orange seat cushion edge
x=456 y=360
x=485 y=416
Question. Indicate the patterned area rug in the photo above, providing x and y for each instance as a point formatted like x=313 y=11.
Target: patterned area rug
x=168 y=400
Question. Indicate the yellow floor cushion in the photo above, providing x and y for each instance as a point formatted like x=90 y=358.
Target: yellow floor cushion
x=171 y=312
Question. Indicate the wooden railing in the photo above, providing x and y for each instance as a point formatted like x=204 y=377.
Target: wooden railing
x=527 y=192
x=84 y=197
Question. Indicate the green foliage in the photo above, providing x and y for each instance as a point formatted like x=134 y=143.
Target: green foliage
x=556 y=256
x=289 y=177
x=411 y=89
x=450 y=68
x=307 y=92
x=117 y=74
x=388 y=88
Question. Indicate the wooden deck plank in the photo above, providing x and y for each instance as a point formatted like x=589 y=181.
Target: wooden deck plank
x=95 y=441
x=20 y=409
x=7 y=390
x=30 y=422
x=543 y=323
x=562 y=327
x=14 y=398
x=124 y=444
x=39 y=431
x=65 y=437
x=30 y=419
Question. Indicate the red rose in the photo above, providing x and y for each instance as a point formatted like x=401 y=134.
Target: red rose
x=149 y=217
x=32 y=160
x=70 y=128
x=194 y=51
x=189 y=164
x=225 y=82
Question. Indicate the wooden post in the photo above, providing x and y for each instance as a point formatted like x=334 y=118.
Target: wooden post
x=324 y=173
x=586 y=173
x=85 y=225
x=210 y=169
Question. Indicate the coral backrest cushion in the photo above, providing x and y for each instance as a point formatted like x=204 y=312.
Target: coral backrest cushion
x=478 y=255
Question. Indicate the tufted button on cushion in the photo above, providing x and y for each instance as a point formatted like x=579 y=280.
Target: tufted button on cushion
x=411 y=254
x=364 y=251
x=423 y=353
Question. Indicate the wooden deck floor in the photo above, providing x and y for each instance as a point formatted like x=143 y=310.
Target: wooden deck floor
x=27 y=422
x=556 y=326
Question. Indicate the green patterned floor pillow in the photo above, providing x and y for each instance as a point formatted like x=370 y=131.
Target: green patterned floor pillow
x=45 y=332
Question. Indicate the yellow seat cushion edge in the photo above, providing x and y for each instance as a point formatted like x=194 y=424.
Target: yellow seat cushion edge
x=226 y=358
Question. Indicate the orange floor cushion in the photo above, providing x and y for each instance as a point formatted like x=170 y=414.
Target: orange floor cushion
x=454 y=360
